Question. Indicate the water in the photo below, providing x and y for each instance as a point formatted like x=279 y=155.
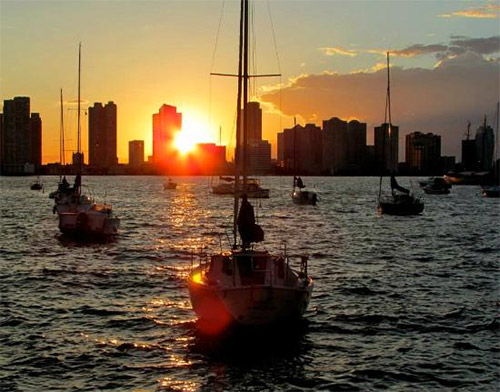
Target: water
x=400 y=303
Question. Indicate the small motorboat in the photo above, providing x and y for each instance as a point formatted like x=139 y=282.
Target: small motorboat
x=491 y=191
x=37 y=186
x=437 y=186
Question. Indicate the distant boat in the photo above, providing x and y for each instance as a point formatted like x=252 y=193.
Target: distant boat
x=299 y=194
x=401 y=202
x=491 y=191
x=78 y=215
x=244 y=286
x=437 y=186
x=37 y=186
x=169 y=184
x=254 y=190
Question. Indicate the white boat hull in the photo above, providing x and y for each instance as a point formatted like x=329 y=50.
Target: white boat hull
x=88 y=223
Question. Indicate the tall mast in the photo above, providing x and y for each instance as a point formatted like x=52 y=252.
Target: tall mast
x=245 y=99
x=78 y=148
x=62 y=159
x=387 y=116
x=237 y=153
x=294 y=150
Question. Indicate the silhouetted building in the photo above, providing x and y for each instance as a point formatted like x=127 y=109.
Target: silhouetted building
x=102 y=136
x=21 y=138
x=136 y=152
x=166 y=123
x=259 y=159
x=386 y=147
x=485 y=146
x=254 y=118
x=423 y=153
x=300 y=149
x=334 y=141
x=207 y=159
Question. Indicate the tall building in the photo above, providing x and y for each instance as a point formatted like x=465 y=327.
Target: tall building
x=485 y=146
x=386 y=147
x=259 y=159
x=344 y=145
x=254 y=119
x=423 y=152
x=102 y=135
x=334 y=142
x=300 y=149
x=20 y=138
x=469 y=159
x=136 y=152
x=166 y=123
x=208 y=159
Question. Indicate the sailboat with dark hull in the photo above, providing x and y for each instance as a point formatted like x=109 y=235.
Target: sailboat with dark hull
x=401 y=202
x=246 y=286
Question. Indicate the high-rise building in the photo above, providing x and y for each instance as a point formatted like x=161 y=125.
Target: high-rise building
x=423 y=152
x=300 y=149
x=102 y=135
x=485 y=146
x=21 y=138
x=166 y=123
x=344 y=145
x=259 y=157
x=136 y=152
x=334 y=142
x=254 y=119
x=386 y=147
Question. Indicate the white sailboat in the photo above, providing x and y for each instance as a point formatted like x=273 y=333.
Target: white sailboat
x=78 y=214
x=245 y=286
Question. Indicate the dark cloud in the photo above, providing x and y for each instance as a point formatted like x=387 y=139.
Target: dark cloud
x=440 y=100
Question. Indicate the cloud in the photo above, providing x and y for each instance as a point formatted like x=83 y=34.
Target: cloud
x=463 y=87
x=332 y=51
x=458 y=45
x=488 y=11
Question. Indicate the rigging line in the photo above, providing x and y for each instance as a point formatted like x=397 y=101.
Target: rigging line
x=253 y=53
x=212 y=64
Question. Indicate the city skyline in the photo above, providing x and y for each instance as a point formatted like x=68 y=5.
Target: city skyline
x=444 y=59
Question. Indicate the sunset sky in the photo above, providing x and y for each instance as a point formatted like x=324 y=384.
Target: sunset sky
x=331 y=54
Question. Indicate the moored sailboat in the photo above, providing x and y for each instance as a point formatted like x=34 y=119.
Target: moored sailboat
x=78 y=215
x=246 y=286
x=401 y=201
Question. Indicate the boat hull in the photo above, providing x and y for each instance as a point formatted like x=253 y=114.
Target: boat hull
x=401 y=209
x=88 y=224
x=304 y=198
x=252 y=306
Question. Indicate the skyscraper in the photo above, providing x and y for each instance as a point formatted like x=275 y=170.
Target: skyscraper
x=423 y=152
x=300 y=149
x=334 y=145
x=386 y=147
x=254 y=118
x=136 y=152
x=166 y=123
x=102 y=135
x=21 y=138
x=485 y=146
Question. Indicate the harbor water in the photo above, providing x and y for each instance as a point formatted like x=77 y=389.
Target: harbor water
x=399 y=303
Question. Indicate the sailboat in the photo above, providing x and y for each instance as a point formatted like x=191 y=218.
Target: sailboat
x=402 y=201
x=78 y=215
x=245 y=286
x=299 y=194
x=169 y=184
x=493 y=188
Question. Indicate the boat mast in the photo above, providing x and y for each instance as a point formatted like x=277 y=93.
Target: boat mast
x=294 y=150
x=237 y=153
x=78 y=148
x=245 y=98
x=62 y=160
x=387 y=116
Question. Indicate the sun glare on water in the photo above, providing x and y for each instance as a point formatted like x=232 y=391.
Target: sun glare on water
x=192 y=133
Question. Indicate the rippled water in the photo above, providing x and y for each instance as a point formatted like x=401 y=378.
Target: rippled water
x=400 y=303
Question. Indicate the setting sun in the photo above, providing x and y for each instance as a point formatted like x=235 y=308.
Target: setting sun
x=192 y=133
